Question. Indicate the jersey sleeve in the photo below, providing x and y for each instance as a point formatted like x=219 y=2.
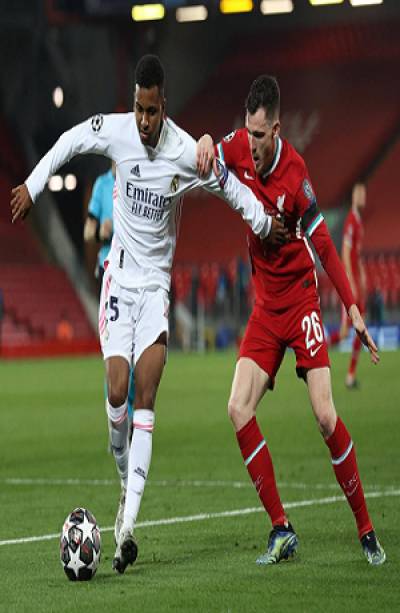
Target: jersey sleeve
x=227 y=149
x=239 y=197
x=94 y=207
x=306 y=204
x=91 y=136
x=332 y=264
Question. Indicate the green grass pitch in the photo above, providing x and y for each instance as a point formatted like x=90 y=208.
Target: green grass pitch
x=53 y=430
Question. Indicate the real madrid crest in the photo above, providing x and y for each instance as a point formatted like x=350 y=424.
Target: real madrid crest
x=175 y=184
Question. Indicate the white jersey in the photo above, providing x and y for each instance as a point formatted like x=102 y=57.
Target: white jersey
x=150 y=184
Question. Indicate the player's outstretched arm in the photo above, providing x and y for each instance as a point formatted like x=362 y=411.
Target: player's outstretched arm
x=362 y=331
x=21 y=202
x=205 y=155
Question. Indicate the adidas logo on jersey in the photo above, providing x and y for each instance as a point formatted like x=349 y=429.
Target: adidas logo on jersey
x=135 y=171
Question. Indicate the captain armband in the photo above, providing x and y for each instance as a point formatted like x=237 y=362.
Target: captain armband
x=311 y=219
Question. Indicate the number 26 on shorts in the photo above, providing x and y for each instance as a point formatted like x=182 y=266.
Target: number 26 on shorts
x=311 y=325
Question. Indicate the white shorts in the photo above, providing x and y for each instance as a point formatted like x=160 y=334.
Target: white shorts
x=130 y=320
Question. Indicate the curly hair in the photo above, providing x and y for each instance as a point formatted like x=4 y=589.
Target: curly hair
x=264 y=93
x=150 y=72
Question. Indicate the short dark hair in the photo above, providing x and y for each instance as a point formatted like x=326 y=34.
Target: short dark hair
x=150 y=72
x=264 y=93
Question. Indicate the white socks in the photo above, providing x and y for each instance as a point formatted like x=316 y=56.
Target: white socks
x=139 y=463
x=118 y=428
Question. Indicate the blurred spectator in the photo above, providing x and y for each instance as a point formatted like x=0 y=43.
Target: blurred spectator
x=1 y=315
x=64 y=330
x=376 y=307
x=351 y=255
x=99 y=224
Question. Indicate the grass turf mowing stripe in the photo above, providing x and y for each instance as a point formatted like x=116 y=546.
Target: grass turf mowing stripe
x=204 y=516
x=182 y=483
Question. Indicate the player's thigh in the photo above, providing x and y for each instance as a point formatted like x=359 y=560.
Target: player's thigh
x=250 y=383
x=116 y=331
x=150 y=348
x=306 y=337
x=151 y=322
x=148 y=372
x=262 y=343
x=320 y=393
x=117 y=376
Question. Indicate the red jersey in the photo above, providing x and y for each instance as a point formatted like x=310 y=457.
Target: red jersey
x=353 y=235
x=286 y=275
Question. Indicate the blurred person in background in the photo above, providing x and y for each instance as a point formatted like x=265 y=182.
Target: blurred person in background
x=287 y=313
x=64 y=329
x=99 y=227
x=99 y=224
x=353 y=264
x=156 y=166
x=2 y=310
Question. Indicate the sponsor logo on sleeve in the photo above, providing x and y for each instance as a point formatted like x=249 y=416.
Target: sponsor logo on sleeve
x=97 y=122
x=308 y=190
x=229 y=136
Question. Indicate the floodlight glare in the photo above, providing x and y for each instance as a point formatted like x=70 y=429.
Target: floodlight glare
x=365 y=2
x=191 y=13
x=70 y=182
x=56 y=183
x=323 y=2
x=148 y=12
x=275 y=7
x=58 y=97
x=236 y=6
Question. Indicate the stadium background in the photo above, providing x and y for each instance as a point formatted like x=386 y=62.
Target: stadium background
x=64 y=61
x=200 y=528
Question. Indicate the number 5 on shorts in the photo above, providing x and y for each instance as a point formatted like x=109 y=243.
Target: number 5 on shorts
x=114 y=308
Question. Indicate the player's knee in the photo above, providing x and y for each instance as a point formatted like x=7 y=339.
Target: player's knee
x=239 y=413
x=145 y=398
x=117 y=394
x=326 y=418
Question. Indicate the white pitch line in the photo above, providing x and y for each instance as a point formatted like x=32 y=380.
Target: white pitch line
x=172 y=483
x=204 y=516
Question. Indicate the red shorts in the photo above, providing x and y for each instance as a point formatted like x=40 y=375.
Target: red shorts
x=268 y=333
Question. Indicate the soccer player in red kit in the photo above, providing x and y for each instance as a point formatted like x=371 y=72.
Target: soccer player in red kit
x=287 y=313
x=351 y=256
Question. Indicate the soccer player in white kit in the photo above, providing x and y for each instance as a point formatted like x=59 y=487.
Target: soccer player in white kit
x=156 y=166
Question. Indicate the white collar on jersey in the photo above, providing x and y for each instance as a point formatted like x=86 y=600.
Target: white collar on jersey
x=153 y=151
x=276 y=159
x=356 y=214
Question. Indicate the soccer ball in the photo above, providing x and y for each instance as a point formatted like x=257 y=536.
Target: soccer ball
x=80 y=545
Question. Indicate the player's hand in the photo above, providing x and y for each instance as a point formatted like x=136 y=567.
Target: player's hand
x=278 y=234
x=106 y=230
x=362 y=331
x=21 y=202
x=205 y=155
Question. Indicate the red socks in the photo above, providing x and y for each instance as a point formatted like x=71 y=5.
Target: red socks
x=354 y=356
x=334 y=339
x=345 y=466
x=259 y=464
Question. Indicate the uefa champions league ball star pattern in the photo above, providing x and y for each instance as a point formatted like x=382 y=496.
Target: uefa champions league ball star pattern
x=80 y=545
